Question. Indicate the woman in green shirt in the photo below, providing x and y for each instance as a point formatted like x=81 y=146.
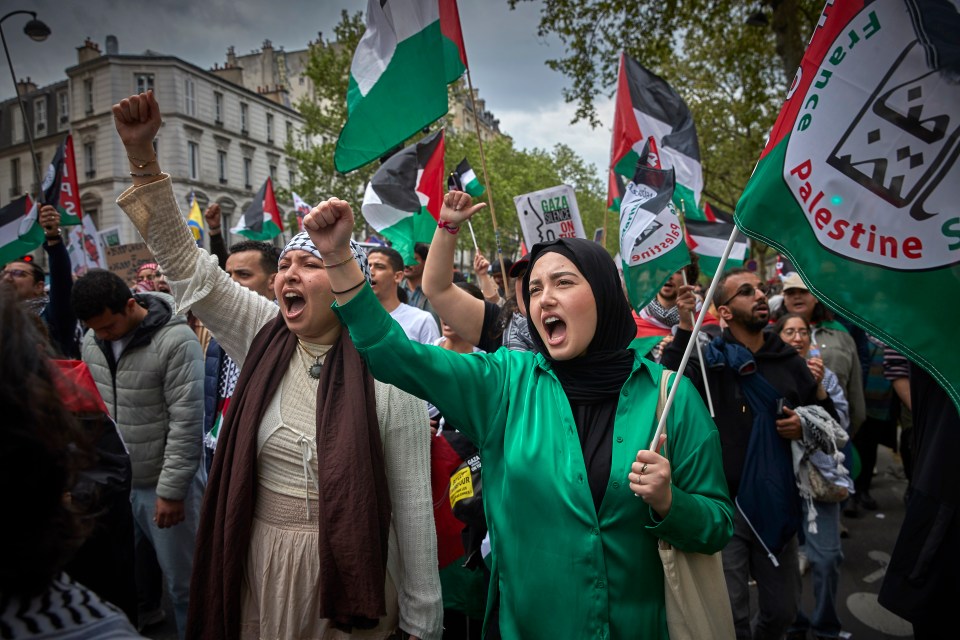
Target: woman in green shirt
x=563 y=434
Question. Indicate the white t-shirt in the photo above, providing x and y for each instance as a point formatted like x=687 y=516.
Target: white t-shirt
x=419 y=325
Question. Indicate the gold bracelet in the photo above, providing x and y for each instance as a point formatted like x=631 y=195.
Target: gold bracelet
x=137 y=161
x=337 y=264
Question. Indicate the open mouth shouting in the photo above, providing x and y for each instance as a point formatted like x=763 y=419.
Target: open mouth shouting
x=293 y=304
x=555 y=328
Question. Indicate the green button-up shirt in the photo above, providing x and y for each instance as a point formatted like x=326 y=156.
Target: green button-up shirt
x=563 y=570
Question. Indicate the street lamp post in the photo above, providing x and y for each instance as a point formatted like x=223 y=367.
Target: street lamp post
x=38 y=32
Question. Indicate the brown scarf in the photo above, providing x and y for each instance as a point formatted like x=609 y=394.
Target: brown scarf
x=354 y=506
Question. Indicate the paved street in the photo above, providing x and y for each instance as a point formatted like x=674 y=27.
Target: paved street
x=866 y=553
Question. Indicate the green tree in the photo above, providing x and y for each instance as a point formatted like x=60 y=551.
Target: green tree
x=731 y=61
x=512 y=171
x=324 y=113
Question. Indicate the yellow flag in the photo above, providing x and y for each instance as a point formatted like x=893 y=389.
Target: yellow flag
x=195 y=221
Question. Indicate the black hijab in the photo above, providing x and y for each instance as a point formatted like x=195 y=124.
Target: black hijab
x=592 y=382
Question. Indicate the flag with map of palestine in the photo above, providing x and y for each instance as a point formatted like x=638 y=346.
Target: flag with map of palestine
x=651 y=237
x=646 y=107
x=859 y=185
x=411 y=50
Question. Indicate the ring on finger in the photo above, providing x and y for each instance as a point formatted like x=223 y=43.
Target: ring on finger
x=643 y=469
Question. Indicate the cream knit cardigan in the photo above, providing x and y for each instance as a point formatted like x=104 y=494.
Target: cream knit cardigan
x=234 y=315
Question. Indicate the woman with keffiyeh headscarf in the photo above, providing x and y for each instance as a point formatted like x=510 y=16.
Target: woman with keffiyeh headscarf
x=562 y=434
x=317 y=521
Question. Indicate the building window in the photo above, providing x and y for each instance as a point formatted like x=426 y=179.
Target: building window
x=291 y=177
x=244 y=118
x=218 y=107
x=222 y=166
x=63 y=108
x=17 y=122
x=193 y=151
x=269 y=128
x=88 y=95
x=247 y=170
x=189 y=97
x=273 y=173
x=15 y=187
x=144 y=82
x=90 y=159
x=289 y=132
x=40 y=116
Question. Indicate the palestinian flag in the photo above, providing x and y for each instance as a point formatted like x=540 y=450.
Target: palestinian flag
x=615 y=189
x=410 y=52
x=60 y=187
x=858 y=185
x=649 y=107
x=20 y=230
x=403 y=198
x=261 y=221
x=709 y=239
x=464 y=179
x=651 y=238
x=715 y=214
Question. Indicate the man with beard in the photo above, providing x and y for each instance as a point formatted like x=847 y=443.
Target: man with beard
x=749 y=371
x=660 y=318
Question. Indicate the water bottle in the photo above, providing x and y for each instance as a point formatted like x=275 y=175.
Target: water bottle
x=814 y=352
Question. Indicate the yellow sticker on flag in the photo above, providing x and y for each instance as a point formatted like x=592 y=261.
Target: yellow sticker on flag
x=461 y=486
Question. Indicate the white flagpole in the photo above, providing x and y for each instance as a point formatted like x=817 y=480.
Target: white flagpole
x=470 y=226
x=703 y=365
x=693 y=338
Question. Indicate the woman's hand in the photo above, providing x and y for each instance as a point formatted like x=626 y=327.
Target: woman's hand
x=816 y=369
x=650 y=479
x=330 y=225
x=480 y=264
x=457 y=207
x=137 y=119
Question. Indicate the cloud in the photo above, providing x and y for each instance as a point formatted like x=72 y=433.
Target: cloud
x=549 y=124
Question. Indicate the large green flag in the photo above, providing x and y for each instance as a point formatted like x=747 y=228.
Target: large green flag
x=409 y=53
x=858 y=185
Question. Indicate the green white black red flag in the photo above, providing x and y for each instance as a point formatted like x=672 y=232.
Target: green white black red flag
x=20 y=230
x=648 y=107
x=402 y=201
x=709 y=239
x=463 y=178
x=859 y=186
x=408 y=54
x=261 y=220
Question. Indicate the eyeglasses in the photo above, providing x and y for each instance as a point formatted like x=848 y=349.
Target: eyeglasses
x=747 y=291
x=16 y=273
x=803 y=333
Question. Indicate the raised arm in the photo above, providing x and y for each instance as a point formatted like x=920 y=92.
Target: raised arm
x=232 y=313
x=422 y=370
x=217 y=246
x=456 y=307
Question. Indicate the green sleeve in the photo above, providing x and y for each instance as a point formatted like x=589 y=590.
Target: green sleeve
x=468 y=389
x=701 y=515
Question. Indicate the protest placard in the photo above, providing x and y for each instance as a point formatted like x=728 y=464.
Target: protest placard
x=549 y=214
x=124 y=259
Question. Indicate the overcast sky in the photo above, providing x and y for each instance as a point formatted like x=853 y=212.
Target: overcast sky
x=507 y=59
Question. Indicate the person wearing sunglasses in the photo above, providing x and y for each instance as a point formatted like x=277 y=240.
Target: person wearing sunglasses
x=750 y=374
x=28 y=282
